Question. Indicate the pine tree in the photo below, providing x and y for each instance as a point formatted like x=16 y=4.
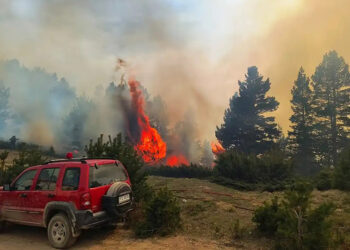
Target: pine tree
x=300 y=137
x=332 y=107
x=246 y=126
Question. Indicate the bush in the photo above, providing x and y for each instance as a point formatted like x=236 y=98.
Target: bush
x=192 y=171
x=161 y=215
x=268 y=216
x=294 y=224
x=272 y=166
x=236 y=184
x=324 y=180
x=237 y=166
x=342 y=171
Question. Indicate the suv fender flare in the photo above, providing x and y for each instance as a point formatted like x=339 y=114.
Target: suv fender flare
x=60 y=206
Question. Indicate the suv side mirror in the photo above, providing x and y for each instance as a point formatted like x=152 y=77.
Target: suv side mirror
x=7 y=187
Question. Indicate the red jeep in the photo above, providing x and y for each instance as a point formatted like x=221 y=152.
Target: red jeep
x=66 y=196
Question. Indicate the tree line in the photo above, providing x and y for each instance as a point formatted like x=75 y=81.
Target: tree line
x=320 y=122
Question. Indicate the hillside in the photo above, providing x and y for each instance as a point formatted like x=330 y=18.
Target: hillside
x=209 y=212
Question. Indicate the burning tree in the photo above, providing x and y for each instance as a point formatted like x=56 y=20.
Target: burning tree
x=150 y=144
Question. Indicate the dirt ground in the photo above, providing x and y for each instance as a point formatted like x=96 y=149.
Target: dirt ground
x=208 y=213
x=32 y=238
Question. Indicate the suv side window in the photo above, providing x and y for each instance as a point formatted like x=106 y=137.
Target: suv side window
x=25 y=181
x=47 y=179
x=71 y=179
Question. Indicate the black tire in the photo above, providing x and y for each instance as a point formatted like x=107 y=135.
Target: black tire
x=117 y=188
x=110 y=200
x=59 y=232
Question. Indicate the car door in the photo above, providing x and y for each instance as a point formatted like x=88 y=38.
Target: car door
x=45 y=190
x=69 y=190
x=17 y=200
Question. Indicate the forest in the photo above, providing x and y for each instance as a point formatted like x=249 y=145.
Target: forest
x=254 y=152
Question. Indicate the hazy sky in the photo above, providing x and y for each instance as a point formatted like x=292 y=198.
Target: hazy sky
x=190 y=52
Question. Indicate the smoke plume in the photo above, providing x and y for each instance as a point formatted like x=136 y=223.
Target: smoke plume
x=189 y=53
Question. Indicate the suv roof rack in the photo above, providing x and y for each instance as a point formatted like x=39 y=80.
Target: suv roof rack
x=82 y=160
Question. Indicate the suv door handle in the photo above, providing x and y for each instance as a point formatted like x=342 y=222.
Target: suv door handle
x=23 y=195
x=50 y=195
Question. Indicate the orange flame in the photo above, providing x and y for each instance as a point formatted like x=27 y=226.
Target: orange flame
x=177 y=160
x=217 y=148
x=151 y=145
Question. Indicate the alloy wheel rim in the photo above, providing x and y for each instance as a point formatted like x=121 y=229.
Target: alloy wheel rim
x=59 y=232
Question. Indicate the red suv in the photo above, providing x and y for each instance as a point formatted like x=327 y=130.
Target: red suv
x=66 y=196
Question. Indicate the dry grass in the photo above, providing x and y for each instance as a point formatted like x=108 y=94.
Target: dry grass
x=209 y=210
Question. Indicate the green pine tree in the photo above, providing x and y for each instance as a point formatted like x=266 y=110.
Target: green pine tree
x=332 y=107
x=300 y=137
x=247 y=127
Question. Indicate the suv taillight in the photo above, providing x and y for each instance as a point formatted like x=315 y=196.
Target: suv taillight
x=85 y=201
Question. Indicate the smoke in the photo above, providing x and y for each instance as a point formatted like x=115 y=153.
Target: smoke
x=190 y=53
x=38 y=101
x=302 y=40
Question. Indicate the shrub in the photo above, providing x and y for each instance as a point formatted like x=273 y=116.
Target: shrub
x=161 y=215
x=275 y=166
x=342 y=171
x=268 y=216
x=324 y=180
x=294 y=224
x=237 y=166
x=272 y=166
x=236 y=184
x=192 y=171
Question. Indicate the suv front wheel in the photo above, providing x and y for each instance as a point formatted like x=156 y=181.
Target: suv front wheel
x=59 y=232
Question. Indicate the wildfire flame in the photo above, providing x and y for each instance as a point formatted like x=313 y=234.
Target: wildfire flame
x=151 y=145
x=177 y=160
x=217 y=148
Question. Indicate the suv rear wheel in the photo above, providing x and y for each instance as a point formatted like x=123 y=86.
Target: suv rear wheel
x=59 y=232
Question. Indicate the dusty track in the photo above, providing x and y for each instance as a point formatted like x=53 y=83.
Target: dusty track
x=31 y=238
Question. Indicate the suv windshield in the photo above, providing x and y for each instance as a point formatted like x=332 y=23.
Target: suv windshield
x=100 y=175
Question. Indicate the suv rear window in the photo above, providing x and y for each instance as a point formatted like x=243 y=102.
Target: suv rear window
x=71 y=179
x=100 y=175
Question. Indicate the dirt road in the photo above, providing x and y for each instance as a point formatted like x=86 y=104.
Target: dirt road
x=31 y=238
